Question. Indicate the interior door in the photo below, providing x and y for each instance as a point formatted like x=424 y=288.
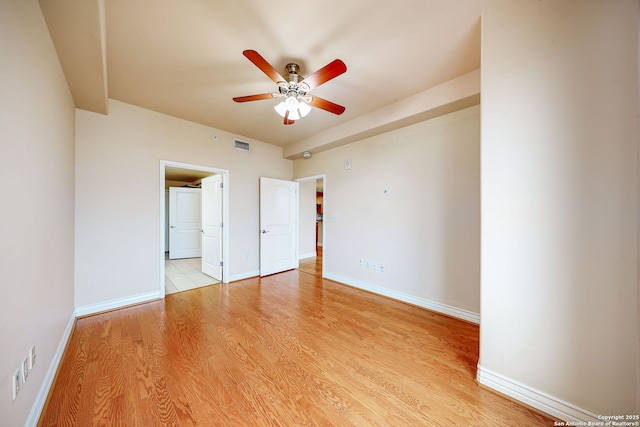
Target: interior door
x=278 y=226
x=184 y=223
x=212 y=223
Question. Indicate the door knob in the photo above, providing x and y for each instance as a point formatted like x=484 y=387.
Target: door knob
x=264 y=231
x=173 y=226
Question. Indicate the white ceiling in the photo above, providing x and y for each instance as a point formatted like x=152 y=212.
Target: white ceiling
x=184 y=58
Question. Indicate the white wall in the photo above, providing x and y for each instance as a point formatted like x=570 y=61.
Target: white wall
x=426 y=231
x=560 y=202
x=307 y=218
x=36 y=169
x=117 y=196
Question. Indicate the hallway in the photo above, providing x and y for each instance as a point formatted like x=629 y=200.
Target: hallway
x=312 y=265
x=184 y=274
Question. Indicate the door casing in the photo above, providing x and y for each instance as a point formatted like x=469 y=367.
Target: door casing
x=225 y=215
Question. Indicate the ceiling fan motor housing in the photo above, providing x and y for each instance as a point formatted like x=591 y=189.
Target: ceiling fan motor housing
x=292 y=70
x=291 y=88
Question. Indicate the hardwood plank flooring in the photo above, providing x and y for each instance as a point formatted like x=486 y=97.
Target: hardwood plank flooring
x=286 y=350
x=312 y=265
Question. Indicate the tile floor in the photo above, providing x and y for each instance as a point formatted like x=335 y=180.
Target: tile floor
x=184 y=274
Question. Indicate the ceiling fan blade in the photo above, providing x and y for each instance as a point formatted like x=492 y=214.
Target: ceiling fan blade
x=324 y=74
x=327 y=105
x=286 y=119
x=262 y=63
x=253 y=97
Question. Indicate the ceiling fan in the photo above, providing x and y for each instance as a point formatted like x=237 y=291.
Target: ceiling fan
x=295 y=89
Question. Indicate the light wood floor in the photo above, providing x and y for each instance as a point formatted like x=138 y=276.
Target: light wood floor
x=312 y=265
x=290 y=349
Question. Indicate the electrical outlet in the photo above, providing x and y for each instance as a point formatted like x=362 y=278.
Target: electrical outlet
x=360 y=263
x=32 y=357
x=375 y=266
x=16 y=383
x=24 y=370
x=381 y=268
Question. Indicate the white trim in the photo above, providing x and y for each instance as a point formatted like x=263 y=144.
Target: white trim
x=307 y=255
x=535 y=398
x=245 y=275
x=118 y=303
x=47 y=382
x=449 y=310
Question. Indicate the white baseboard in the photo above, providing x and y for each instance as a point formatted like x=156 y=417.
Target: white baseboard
x=242 y=276
x=456 y=312
x=535 y=398
x=47 y=382
x=88 y=309
x=307 y=255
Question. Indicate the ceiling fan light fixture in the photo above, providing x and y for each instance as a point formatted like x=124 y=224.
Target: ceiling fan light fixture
x=281 y=109
x=295 y=108
x=304 y=109
x=293 y=115
x=291 y=103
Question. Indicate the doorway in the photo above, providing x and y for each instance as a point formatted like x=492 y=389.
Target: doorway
x=312 y=241
x=172 y=173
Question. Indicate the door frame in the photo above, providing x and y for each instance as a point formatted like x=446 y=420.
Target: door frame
x=323 y=177
x=225 y=215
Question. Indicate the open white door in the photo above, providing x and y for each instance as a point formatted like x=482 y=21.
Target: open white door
x=212 y=224
x=184 y=223
x=278 y=226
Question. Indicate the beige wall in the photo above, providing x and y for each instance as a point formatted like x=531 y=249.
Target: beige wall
x=36 y=168
x=118 y=189
x=559 y=185
x=425 y=231
x=560 y=201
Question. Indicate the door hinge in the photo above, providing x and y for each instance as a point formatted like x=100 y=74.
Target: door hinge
x=222 y=185
x=221 y=224
x=221 y=263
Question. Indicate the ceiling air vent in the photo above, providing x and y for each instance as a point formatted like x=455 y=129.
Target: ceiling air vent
x=241 y=145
